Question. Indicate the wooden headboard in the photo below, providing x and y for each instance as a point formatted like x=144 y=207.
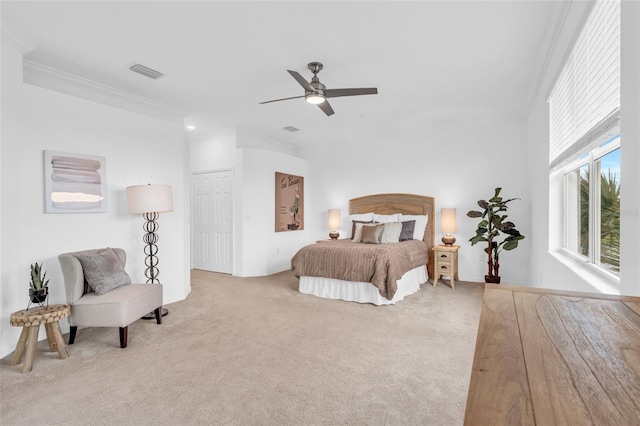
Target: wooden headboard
x=405 y=204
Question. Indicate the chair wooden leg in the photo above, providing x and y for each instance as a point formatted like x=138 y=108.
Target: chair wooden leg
x=158 y=313
x=124 y=331
x=72 y=334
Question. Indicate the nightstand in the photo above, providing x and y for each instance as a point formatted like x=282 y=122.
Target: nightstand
x=446 y=263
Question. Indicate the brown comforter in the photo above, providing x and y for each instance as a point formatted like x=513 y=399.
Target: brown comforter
x=380 y=264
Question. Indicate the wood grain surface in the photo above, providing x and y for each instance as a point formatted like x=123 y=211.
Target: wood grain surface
x=499 y=377
x=581 y=355
x=30 y=321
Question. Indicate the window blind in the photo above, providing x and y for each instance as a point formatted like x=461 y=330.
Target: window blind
x=585 y=100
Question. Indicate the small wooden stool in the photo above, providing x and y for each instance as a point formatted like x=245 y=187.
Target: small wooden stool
x=30 y=320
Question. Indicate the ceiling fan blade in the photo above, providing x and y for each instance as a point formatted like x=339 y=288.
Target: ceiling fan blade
x=283 y=99
x=326 y=108
x=300 y=79
x=334 y=93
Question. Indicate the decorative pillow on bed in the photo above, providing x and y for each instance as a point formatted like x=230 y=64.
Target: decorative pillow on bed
x=357 y=231
x=386 y=218
x=362 y=218
x=354 y=228
x=406 y=233
x=372 y=234
x=103 y=271
x=420 y=226
x=391 y=232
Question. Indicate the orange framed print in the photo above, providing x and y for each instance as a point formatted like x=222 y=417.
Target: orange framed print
x=289 y=202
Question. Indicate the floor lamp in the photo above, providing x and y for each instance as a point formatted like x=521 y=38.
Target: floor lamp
x=149 y=201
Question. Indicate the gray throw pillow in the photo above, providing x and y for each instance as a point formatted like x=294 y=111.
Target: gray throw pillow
x=407 y=230
x=372 y=234
x=103 y=270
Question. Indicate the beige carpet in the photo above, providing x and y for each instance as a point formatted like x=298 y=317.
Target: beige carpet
x=254 y=351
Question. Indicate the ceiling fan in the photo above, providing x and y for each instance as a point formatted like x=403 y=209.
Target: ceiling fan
x=316 y=92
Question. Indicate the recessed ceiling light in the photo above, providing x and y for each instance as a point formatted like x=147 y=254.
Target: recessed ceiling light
x=191 y=127
x=290 y=129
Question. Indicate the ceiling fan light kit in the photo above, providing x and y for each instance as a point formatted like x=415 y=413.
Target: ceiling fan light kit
x=314 y=98
x=316 y=93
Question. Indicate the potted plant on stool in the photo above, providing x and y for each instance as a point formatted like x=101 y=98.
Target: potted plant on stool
x=39 y=285
x=492 y=225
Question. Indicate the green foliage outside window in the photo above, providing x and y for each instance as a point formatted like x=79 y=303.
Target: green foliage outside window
x=609 y=218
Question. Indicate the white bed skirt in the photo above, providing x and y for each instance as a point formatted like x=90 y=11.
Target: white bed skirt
x=360 y=291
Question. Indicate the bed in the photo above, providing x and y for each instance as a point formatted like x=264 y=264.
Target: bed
x=380 y=274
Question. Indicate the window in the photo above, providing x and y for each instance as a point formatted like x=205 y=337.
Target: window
x=584 y=140
x=592 y=206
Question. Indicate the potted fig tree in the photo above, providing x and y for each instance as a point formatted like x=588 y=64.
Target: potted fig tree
x=493 y=226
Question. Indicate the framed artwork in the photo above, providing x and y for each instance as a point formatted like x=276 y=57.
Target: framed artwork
x=289 y=202
x=74 y=183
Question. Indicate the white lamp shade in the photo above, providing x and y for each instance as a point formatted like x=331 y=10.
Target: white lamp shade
x=334 y=219
x=149 y=198
x=448 y=221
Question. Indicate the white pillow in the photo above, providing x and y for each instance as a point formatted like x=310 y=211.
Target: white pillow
x=421 y=224
x=363 y=217
x=386 y=218
x=391 y=232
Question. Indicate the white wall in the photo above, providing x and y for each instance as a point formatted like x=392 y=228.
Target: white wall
x=213 y=151
x=258 y=250
x=137 y=149
x=630 y=150
x=444 y=161
x=457 y=163
x=265 y=251
x=547 y=270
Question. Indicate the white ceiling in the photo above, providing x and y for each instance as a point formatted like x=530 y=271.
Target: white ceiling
x=433 y=62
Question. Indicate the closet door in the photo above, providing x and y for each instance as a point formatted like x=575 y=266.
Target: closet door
x=212 y=221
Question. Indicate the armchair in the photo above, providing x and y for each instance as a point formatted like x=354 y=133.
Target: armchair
x=117 y=307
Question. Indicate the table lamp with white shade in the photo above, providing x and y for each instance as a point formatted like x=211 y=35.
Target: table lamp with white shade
x=448 y=225
x=334 y=223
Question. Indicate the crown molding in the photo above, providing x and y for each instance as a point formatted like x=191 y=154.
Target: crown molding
x=15 y=39
x=199 y=136
x=568 y=7
x=557 y=31
x=248 y=138
x=60 y=81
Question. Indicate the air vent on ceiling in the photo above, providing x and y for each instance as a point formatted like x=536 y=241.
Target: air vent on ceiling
x=147 y=72
x=291 y=129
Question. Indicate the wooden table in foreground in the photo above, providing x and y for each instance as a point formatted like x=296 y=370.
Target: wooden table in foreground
x=30 y=320
x=546 y=357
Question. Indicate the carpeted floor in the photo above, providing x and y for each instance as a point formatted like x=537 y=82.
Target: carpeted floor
x=254 y=351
